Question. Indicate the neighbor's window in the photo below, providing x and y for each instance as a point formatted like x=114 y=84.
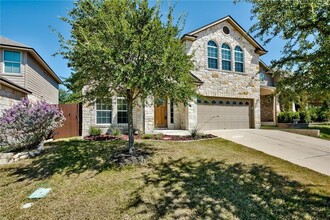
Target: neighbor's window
x=262 y=76
x=12 y=62
x=103 y=112
x=238 y=59
x=226 y=57
x=212 y=55
x=122 y=111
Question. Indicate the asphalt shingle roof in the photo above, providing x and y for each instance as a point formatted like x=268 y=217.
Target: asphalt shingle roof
x=6 y=41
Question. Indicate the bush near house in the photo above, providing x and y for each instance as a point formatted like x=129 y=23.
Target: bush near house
x=287 y=117
x=313 y=114
x=26 y=124
x=94 y=131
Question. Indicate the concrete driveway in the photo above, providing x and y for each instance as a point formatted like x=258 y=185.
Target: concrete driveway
x=313 y=153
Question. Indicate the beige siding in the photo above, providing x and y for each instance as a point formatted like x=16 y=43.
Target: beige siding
x=18 y=79
x=40 y=82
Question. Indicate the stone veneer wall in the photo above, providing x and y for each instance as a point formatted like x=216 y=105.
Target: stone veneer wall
x=8 y=97
x=266 y=108
x=221 y=83
x=89 y=118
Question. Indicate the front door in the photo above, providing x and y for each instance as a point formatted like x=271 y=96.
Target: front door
x=161 y=115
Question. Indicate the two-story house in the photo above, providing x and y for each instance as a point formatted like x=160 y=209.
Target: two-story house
x=23 y=73
x=227 y=72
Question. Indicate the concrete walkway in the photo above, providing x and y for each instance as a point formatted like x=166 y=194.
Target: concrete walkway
x=313 y=153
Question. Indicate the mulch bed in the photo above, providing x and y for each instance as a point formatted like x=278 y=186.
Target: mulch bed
x=108 y=137
x=124 y=158
x=102 y=137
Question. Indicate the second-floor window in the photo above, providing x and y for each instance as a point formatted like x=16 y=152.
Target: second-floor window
x=122 y=111
x=239 y=59
x=212 y=55
x=12 y=62
x=226 y=57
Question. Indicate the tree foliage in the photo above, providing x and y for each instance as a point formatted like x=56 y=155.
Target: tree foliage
x=305 y=26
x=129 y=49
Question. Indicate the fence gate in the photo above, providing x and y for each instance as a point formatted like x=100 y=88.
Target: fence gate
x=72 y=124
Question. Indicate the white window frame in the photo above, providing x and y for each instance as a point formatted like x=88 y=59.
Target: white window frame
x=121 y=98
x=95 y=104
x=215 y=58
x=236 y=51
x=228 y=60
x=20 y=63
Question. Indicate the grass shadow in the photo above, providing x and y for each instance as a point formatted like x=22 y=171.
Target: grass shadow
x=207 y=189
x=73 y=157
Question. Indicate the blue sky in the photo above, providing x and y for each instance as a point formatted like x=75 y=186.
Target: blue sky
x=28 y=21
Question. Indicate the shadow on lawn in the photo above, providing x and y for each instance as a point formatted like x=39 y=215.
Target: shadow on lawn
x=74 y=156
x=216 y=190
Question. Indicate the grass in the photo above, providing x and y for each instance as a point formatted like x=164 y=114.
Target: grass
x=323 y=127
x=324 y=130
x=210 y=179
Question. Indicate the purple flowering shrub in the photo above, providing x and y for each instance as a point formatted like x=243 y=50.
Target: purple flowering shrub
x=26 y=124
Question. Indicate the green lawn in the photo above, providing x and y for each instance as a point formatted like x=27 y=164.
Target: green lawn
x=210 y=179
x=324 y=129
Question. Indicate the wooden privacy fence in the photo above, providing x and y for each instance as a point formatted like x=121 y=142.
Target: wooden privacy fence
x=72 y=124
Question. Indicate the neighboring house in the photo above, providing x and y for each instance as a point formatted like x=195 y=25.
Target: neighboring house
x=23 y=73
x=226 y=70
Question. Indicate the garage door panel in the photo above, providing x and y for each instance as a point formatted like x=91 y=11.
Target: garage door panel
x=215 y=116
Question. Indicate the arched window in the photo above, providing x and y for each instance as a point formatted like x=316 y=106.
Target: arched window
x=239 y=59
x=212 y=55
x=226 y=57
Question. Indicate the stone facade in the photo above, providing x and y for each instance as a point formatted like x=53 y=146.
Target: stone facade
x=222 y=83
x=9 y=96
x=216 y=83
x=89 y=117
x=267 y=108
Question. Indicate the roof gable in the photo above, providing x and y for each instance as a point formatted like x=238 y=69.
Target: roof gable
x=191 y=36
x=8 y=43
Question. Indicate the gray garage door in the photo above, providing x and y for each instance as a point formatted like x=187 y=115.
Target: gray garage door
x=215 y=113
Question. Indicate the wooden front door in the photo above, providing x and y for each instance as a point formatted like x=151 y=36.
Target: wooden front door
x=161 y=116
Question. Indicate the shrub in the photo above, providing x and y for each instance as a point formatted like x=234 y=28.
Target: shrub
x=287 y=117
x=147 y=136
x=116 y=132
x=195 y=133
x=319 y=114
x=159 y=136
x=26 y=124
x=94 y=131
x=305 y=116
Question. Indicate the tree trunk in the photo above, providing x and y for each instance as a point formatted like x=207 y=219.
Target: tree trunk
x=130 y=126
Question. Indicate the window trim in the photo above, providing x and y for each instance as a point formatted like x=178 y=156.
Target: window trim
x=121 y=98
x=230 y=60
x=103 y=124
x=241 y=51
x=215 y=58
x=20 y=63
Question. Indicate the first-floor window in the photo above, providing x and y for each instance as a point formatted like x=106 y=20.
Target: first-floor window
x=122 y=111
x=103 y=112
